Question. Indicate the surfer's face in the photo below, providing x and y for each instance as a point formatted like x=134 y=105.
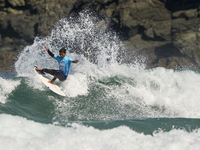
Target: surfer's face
x=62 y=55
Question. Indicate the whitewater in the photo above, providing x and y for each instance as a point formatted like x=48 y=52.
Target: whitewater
x=113 y=101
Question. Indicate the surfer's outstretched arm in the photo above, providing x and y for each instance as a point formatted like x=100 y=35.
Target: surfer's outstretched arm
x=49 y=52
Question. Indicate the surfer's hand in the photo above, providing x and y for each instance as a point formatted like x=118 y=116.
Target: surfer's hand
x=46 y=48
x=75 y=61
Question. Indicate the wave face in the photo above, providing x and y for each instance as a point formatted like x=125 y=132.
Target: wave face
x=120 y=95
x=102 y=86
x=106 y=96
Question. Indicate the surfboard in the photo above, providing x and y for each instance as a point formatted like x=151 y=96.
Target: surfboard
x=53 y=87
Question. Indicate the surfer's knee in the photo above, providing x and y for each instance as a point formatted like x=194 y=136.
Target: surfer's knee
x=62 y=78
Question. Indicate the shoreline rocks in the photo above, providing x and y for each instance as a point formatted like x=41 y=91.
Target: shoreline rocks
x=167 y=32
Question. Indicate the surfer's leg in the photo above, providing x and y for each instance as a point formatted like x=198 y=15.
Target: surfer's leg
x=56 y=73
x=53 y=80
x=61 y=76
x=38 y=68
x=52 y=72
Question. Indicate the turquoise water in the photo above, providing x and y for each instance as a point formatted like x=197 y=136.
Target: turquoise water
x=110 y=104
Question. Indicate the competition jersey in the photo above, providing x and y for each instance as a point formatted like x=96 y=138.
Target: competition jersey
x=64 y=64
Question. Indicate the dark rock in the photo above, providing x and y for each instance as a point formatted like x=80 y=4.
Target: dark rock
x=167 y=32
x=16 y=3
x=2 y=4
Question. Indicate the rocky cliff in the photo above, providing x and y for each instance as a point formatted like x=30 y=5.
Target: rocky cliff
x=167 y=32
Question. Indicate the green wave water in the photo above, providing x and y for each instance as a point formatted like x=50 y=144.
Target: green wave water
x=99 y=107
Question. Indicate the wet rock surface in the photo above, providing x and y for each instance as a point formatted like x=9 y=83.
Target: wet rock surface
x=167 y=32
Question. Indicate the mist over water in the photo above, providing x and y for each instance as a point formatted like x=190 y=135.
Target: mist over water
x=83 y=37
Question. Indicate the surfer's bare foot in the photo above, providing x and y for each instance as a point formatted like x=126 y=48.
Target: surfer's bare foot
x=38 y=68
x=51 y=81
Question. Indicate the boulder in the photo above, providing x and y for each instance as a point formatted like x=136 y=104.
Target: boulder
x=16 y=3
x=167 y=32
x=2 y=3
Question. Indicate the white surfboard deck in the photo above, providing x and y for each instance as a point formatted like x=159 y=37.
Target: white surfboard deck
x=53 y=87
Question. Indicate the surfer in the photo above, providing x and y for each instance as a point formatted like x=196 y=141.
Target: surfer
x=64 y=65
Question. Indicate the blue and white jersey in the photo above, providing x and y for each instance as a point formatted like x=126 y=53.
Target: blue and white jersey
x=64 y=64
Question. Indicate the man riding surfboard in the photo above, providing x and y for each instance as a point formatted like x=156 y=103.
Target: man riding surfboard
x=64 y=65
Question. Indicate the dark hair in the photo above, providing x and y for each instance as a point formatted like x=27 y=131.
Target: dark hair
x=62 y=50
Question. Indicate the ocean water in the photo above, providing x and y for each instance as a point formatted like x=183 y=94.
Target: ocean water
x=113 y=102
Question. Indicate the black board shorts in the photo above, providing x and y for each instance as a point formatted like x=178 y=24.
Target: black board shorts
x=56 y=73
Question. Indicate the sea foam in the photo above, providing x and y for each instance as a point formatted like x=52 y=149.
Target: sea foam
x=19 y=133
x=6 y=88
